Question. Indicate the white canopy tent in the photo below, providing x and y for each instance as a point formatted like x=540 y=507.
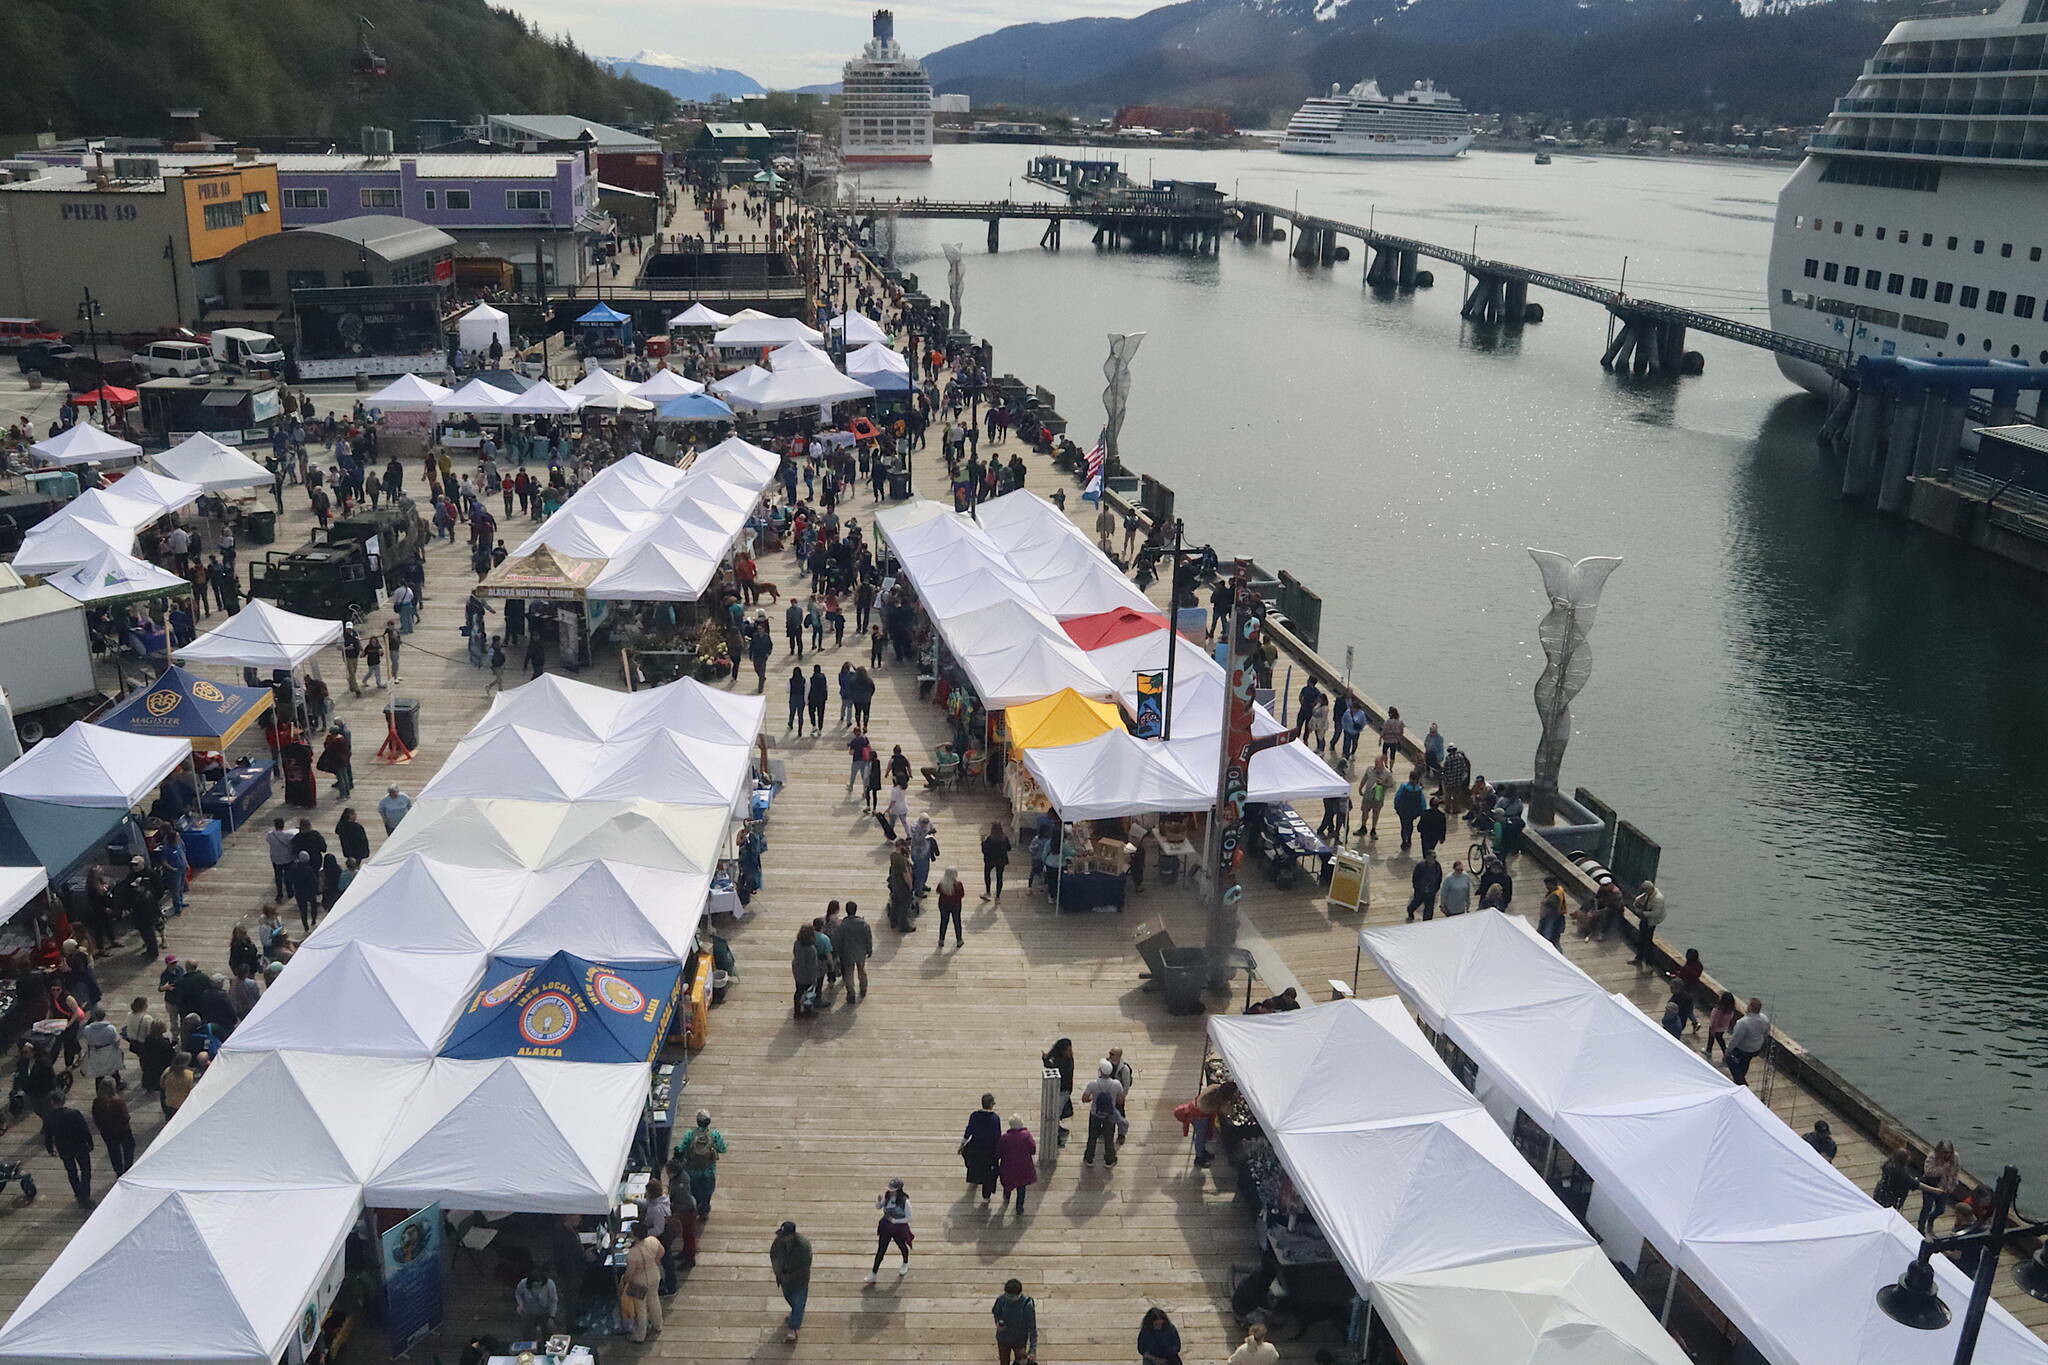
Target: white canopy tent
x=473 y=397
x=19 y=886
x=113 y=574
x=603 y=389
x=763 y=333
x=396 y=1004
x=543 y=400
x=799 y=355
x=199 y=1277
x=664 y=565
x=480 y=326
x=859 y=329
x=113 y=508
x=664 y=384
x=740 y=382
x=282 y=1119
x=698 y=315
x=410 y=393
x=1116 y=774
x=84 y=443
x=580 y=710
x=91 y=765
x=805 y=387
x=263 y=636
x=216 y=467
x=738 y=461
x=1410 y=1181
x=1782 y=1242
x=530 y=835
x=606 y=912
x=63 y=540
x=661 y=767
x=1564 y=1308
x=753 y=315
x=535 y=766
x=876 y=358
x=515 y=1135
x=419 y=904
x=165 y=494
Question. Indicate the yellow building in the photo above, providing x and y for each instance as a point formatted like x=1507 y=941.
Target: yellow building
x=146 y=239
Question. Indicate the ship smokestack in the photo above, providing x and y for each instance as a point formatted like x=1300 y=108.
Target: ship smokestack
x=885 y=26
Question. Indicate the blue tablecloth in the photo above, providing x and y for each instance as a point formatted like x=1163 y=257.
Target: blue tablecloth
x=239 y=794
x=202 y=845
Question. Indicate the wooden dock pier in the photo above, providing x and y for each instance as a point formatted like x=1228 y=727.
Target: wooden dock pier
x=820 y=1113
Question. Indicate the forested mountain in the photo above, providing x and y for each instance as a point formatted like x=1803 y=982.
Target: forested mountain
x=1576 y=58
x=284 y=66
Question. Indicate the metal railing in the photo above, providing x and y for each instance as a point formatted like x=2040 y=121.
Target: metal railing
x=1024 y=208
x=1743 y=333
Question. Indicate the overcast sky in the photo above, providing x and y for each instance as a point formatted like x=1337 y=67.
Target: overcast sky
x=785 y=43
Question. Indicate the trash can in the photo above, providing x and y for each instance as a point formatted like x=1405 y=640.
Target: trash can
x=721 y=982
x=260 y=527
x=1185 y=972
x=899 y=486
x=405 y=714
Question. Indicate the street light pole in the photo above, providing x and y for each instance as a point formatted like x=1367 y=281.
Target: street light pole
x=1915 y=1301
x=89 y=312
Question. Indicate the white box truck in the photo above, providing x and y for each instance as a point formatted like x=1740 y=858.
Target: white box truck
x=45 y=659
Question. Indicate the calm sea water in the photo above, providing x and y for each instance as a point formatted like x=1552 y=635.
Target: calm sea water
x=1832 y=723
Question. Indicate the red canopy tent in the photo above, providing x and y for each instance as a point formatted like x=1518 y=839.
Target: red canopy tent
x=114 y=395
x=1112 y=627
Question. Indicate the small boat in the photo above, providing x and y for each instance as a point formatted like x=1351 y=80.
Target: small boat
x=1543 y=158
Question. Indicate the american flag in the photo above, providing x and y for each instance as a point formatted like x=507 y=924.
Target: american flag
x=1093 y=490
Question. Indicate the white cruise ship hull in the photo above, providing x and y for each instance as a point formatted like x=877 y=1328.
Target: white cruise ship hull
x=1931 y=300
x=1379 y=146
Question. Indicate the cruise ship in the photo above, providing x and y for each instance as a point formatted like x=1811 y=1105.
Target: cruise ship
x=1422 y=121
x=885 y=102
x=1916 y=224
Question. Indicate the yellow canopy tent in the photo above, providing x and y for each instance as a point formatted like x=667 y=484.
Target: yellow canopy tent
x=1065 y=717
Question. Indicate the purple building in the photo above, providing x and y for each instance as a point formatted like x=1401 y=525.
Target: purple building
x=515 y=208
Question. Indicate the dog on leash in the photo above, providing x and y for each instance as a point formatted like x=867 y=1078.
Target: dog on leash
x=763 y=588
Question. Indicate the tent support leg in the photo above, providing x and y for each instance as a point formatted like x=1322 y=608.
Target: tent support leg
x=1670 y=1295
x=1549 y=1159
x=1357 y=958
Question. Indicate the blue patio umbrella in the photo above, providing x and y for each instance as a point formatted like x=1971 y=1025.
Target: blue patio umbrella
x=568 y=1009
x=693 y=407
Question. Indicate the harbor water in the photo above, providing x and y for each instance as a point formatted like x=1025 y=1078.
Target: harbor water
x=1832 y=722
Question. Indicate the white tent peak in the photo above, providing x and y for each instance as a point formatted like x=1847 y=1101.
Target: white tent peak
x=218 y=1293
x=263 y=636
x=90 y=765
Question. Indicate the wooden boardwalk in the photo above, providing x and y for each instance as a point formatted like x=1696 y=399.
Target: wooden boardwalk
x=820 y=1113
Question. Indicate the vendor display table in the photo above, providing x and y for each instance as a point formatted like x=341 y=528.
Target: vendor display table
x=240 y=793
x=724 y=899
x=201 y=839
x=1090 y=890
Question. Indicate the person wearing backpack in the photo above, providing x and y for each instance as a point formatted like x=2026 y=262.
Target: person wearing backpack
x=1016 y=1325
x=1101 y=1096
x=699 y=1153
